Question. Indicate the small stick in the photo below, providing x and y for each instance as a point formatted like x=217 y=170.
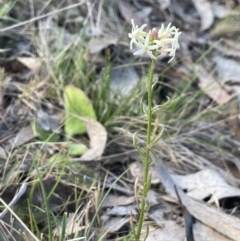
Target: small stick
x=15 y=200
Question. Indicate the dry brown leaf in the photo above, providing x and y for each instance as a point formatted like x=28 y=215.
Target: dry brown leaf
x=221 y=222
x=114 y=200
x=203 y=232
x=169 y=231
x=137 y=171
x=211 y=87
x=98 y=138
x=204 y=9
x=204 y=184
x=123 y=210
x=32 y=64
x=24 y=135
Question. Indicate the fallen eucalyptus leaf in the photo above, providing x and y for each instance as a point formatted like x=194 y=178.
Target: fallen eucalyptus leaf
x=25 y=135
x=123 y=210
x=169 y=231
x=33 y=64
x=203 y=232
x=114 y=200
x=212 y=217
x=206 y=183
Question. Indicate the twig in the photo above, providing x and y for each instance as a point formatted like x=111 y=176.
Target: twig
x=15 y=200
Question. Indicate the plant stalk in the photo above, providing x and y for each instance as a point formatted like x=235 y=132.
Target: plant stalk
x=147 y=158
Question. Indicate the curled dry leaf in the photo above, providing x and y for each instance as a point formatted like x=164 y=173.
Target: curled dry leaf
x=32 y=64
x=98 y=138
x=204 y=184
x=204 y=9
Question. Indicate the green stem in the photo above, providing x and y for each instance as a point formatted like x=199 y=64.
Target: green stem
x=146 y=161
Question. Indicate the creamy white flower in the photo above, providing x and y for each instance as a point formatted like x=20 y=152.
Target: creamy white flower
x=137 y=33
x=146 y=48
x=154 y=43
x=168 y=32
x=175 y=40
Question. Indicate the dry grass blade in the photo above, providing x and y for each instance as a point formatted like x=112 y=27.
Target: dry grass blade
x=42 y=16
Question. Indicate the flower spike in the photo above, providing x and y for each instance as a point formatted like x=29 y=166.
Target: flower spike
x=154 y=43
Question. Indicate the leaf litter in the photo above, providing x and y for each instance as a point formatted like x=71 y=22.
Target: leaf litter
x=202 y=156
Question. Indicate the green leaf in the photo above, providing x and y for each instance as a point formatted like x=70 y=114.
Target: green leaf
x=76 y=149
x=46 y=136
x=58 y=158
x=76 y=104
